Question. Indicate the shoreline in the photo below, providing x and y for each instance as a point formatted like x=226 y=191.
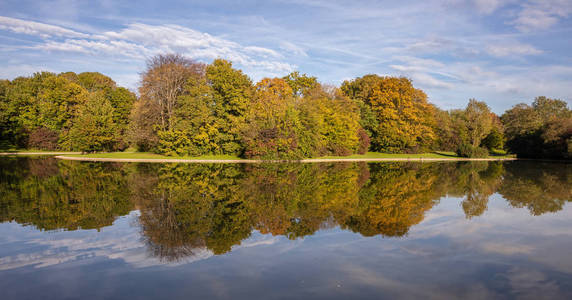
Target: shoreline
x=38 y=153
x=258 y=161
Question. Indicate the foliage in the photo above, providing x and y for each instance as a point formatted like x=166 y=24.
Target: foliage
x=494 y=140
x=541 y=130
x=187 y=108
x=142 y=131
x=162 y=83
x=470 y=151
x=478 y=120
x=43 y=138
x=94 y=129
x=405 y=118
x=271 y=122
x=301 y=85
x=231 y=92
x=39 y=111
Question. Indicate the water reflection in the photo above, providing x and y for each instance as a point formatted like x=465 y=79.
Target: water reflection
x=186 y=209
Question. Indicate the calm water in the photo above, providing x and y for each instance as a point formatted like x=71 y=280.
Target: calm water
x=480 y=230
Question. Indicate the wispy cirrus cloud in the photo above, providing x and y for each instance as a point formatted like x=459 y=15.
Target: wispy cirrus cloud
x=542 y=14
x=140 y=41
x=513 y=48
x=500 y=51
x=39 y=29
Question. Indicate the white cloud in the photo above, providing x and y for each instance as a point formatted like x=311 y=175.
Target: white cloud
x=422 y=71
x=139 y=41
x=112 y=48
x=542 y=14
x=262 y=51
x=488 y=6
x=500 y=50
x=38 y=29
x=427 y=80
x=293 y=48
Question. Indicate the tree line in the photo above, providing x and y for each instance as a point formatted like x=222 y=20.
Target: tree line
x=189 y=108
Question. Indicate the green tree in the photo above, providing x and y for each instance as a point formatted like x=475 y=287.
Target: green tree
x=94 y=129
x=301 y=84
x=494 y=140
x=95 y=81
x=7 y=133
x=479 y=121
x=334 y=122
x=122 y=101
x=231 y=92
x=539 y=131
x=195 y=117
x=549 y=109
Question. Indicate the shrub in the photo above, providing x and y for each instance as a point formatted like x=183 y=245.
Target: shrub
x=364 y=141
x=494 y=140
x=175 y=143
x=43 y=138
x=467 y=150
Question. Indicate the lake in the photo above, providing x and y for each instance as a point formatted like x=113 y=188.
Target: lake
x=470 y=230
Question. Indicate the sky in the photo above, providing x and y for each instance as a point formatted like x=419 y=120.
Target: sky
x=503 y=52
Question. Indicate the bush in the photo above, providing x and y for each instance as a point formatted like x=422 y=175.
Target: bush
x=364 y=141
x=467 y=150
x=175 y=143
x=494 y=140
x=43 y=138
x=498 y=152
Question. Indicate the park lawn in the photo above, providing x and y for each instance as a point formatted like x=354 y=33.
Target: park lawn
x=148 y=155
x=23 y=151
x=439 y=154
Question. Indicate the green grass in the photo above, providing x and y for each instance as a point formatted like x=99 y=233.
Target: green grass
x=440 y=154
x=13 y=150
x=130 y=154
x=147 y=155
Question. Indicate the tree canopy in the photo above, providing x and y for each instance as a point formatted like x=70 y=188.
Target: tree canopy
x=190 y=108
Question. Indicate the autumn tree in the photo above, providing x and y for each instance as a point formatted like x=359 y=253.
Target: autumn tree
x=94 y=130
x=331 y=121
x=479 y=121
x=405 y=118
x=231 y=93
x=6 y=118
x=272 y=120
x=95 y=81
x=163 y=82
x=540 y=130
x=301 y=84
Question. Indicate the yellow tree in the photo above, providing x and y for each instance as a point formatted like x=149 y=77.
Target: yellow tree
x=405 y=118
x=271 y=122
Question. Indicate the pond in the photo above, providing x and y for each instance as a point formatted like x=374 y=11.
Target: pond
x=471 y=230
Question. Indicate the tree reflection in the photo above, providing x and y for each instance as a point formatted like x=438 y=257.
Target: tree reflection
x=478 y=181
x=187 y=209
x=51 y=194
x=540 y=187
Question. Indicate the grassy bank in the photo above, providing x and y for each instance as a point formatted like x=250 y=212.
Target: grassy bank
x=30 y=152
x=148 y=155
x=394 y=155
x=369 y=155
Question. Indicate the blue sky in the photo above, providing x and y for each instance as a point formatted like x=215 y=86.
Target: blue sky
x=501 y=51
